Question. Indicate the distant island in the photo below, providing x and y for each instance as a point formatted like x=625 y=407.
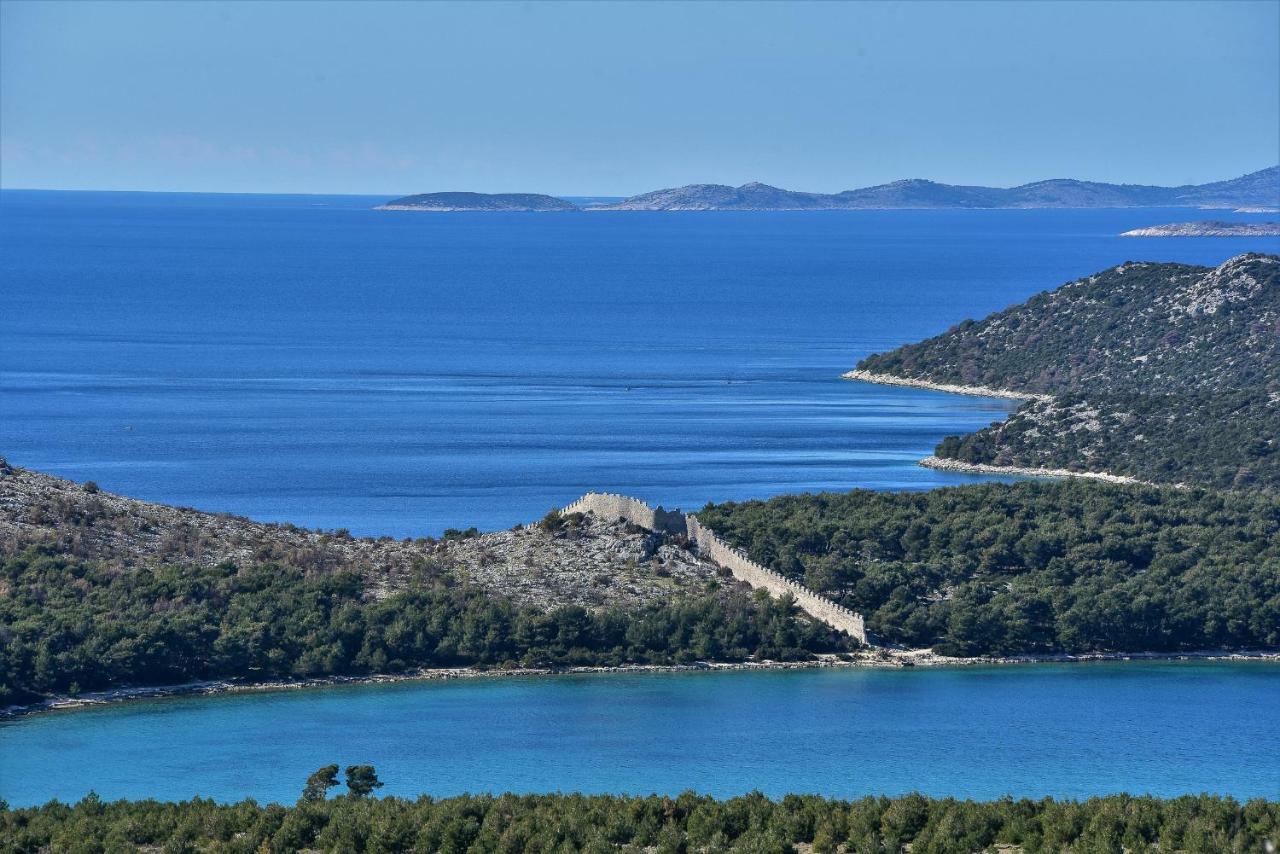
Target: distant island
x=1256 y=190
x=1207 y=228
x=451 y=202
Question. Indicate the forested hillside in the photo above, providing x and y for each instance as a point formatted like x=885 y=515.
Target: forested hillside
x=100 y=591
x=1072 y=566
x=67 y=626
x=1165 y=372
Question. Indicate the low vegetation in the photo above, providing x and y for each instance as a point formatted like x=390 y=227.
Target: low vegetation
x=1163 y=372
x=354 y=822
x=567 y=560
x=68 y=626
x=1224 y=440
x=1031 y=567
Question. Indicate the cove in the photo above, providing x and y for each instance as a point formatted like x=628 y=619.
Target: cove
x=1075 y=730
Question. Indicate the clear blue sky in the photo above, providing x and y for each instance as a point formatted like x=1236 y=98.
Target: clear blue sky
x=613 y=99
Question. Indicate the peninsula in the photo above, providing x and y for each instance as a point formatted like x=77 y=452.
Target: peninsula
x=89 y=580
x=1207 y=228
x=1158 y=372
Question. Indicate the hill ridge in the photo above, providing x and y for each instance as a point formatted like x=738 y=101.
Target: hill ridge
x=1261 y=188
x=1256 y=188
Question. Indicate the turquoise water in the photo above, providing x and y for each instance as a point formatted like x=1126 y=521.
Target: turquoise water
x=1062 y=730
x=310 y=360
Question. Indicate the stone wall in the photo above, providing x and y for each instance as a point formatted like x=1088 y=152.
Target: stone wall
x=745 y=569
x=606 y=505
x=610 y=505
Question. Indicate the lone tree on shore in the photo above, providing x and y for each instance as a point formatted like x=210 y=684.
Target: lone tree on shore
x=362 y=780
x=319 y=783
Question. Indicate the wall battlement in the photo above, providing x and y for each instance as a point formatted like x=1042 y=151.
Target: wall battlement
x=609 y=505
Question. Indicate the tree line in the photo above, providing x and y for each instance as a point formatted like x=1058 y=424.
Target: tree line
x=69 y=626
x=541 y=824
x=1045 y=567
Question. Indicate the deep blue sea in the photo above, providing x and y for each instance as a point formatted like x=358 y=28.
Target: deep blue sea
x=1064 y=730
x=308 y=359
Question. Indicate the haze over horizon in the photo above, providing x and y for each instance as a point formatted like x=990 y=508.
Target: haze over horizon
x=619 y=99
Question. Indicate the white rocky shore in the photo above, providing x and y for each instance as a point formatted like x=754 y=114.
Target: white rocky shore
x=973 y=390
x=942 y=464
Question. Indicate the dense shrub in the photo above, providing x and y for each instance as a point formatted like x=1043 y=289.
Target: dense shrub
x=69 y=626
x=1165 y=372
x=1031 y=567
x=688 y=822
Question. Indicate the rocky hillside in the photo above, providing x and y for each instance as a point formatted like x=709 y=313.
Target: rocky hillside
x=1136 y=327
x=446 y=202
x=1258 y=188
x=587 y=562
x=1261 y=188
x=1166 y=372
x=103 y=593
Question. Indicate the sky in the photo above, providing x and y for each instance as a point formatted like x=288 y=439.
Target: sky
x=621 y=98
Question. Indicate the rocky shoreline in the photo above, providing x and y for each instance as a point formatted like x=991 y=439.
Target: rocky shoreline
x=949 y=465
x=972 y=390
x=1207 y=228
x=881 y=657
x=942 y=464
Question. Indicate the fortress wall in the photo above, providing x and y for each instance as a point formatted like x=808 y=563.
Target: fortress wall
x=745 y=569
x=607 y=505
x=611 y=506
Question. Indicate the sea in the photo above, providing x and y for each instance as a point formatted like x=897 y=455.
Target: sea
x=1061 y=730
x=307 y=359
x=311 y=360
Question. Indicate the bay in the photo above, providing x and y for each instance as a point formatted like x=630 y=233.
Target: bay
x=1074 y=730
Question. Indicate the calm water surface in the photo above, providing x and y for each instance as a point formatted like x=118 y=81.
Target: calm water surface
x=1070 y=730
x=308 y=359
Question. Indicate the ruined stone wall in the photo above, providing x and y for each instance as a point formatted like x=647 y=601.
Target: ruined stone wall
x=610 y=505
x=607 y=505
